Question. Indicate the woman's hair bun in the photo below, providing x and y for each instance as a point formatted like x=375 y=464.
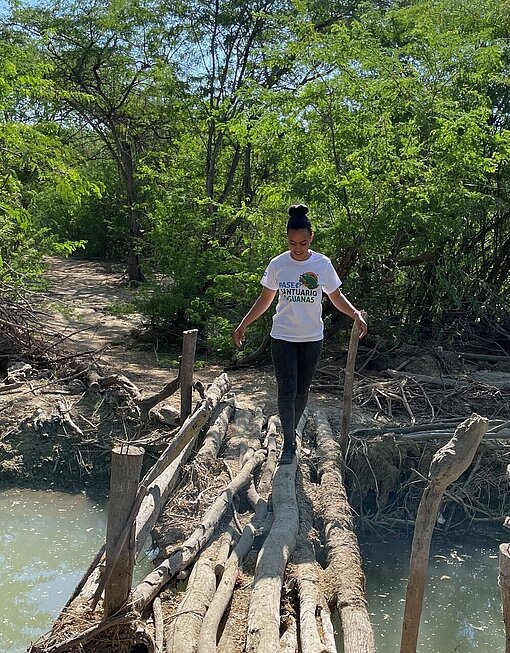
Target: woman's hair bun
x=297 y=210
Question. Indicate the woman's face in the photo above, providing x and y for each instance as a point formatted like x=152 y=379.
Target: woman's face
x=299 y=243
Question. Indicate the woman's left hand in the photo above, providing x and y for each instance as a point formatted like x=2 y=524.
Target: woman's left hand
x=360 y=321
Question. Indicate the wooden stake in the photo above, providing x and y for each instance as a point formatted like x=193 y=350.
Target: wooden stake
x=504 y=582
x=189 y=345
x=447 y=465
x=348 y=385
x=125 y=475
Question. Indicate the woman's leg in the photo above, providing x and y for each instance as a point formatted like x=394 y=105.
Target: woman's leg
x=285 y=359
x=308 y=354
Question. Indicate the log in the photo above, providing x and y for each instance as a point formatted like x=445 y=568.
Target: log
x=183 y=631
x=306 y=571
x=157 y=614
x=187 y=552
x=216 y=433
x=504 y=583
x=223 y=595
x=223 y=551
x=245 y=432
x=158 y=491
x=263 y=633
x=447 y=465
x=344 y=558
x=266 y=478
x=348 y=385
x=442 y=382
x=289 y=639
x=162 y=486
x=125 y=474
x=145 y=405
x=189 y=345
x=190 y=428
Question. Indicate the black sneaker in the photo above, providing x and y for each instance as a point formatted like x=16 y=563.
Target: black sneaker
x=288 y=451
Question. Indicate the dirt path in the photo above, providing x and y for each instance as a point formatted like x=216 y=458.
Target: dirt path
x=81 y=295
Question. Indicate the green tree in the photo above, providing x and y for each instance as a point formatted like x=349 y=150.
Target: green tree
x=112 y=74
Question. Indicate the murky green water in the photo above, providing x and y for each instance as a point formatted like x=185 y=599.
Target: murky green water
x=46 y=543
x=462 y=607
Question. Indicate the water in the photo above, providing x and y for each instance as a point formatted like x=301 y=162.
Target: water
x=48 y=539
x=462 y=605
x=47 y=542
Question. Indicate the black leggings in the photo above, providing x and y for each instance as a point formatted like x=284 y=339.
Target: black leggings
x=294 y=365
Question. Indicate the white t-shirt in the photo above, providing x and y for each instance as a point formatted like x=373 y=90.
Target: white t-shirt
x=298 y=316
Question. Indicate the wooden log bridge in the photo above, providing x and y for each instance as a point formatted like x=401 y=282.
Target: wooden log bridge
x=238 y=526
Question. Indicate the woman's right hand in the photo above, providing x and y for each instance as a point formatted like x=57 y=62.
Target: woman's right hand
x=238 y=335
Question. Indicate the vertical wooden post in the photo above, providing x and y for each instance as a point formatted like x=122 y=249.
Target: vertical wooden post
x=504 y=582
x=189 y=345
x=348 y=386
x=125 y=475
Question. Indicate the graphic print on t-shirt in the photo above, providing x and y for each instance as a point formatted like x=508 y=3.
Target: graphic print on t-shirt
x=310 y=280
x=303 y=290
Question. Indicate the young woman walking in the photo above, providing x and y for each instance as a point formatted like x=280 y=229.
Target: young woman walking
x=300 y=276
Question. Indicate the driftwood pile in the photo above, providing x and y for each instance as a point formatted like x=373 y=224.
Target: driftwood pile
x=244 y=532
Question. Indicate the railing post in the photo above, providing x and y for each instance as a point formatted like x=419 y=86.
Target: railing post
x=504 y=583
x=189 y=345
x=125 y=475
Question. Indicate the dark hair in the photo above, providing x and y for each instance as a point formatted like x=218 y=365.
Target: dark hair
x=298 y=218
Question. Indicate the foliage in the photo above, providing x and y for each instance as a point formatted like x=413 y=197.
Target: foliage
x=184 y=131
x=34 y=160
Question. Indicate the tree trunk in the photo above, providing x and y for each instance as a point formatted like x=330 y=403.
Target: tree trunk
x=447 y=465
x=344 y=559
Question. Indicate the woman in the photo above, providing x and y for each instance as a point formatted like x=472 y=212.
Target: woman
x=300 y=276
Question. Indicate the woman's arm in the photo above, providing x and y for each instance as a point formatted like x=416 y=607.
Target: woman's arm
x=341 y=302
x=262 y=303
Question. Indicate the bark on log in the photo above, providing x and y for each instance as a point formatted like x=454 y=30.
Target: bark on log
x=266 y=478
x=186 y=553
x=190 y=428
x=183 y=631
x=216 y=433
x=264 y=612
x=306 y=572
x=447 y=465
x=344 y=559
